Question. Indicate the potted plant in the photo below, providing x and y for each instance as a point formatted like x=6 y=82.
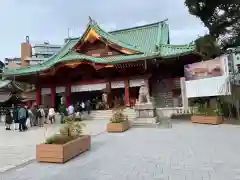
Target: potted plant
x=118 y=122
x=61 y=147
x=207 y=115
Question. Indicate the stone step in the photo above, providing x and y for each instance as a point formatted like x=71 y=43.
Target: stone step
x=107 y=114
x=151 y=120
x=147 y=125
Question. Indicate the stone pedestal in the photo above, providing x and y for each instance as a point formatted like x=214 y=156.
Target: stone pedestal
x=145 y=114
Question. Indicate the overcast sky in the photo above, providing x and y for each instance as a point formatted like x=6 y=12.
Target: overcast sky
x=49 y=20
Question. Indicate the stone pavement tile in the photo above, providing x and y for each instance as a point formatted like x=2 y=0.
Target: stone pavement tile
x=17 y=148
x=176 y=177
x=142 y=153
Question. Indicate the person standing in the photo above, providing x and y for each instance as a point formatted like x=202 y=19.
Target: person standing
x=51 y=115
x=30 y=114
x=77 y=107
x=15 y=117
x=71 y=112
x=41 y=116
x=27 y=116
x=46 y=114
x=88 y=106
x=105 y=100
x=22 y=116
x=34 y=113
x=8 y=119
x=83 y=106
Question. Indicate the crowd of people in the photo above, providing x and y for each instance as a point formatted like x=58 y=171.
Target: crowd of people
x=24 y=117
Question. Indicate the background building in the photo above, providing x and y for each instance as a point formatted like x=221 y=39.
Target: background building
x=32 y=54
x=12 y=61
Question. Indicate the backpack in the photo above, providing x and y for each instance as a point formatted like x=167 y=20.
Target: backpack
x=42 y=112
x=39 y=114
x=27 y=114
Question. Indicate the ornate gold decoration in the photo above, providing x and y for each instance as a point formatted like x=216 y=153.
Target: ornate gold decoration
x=90 y=33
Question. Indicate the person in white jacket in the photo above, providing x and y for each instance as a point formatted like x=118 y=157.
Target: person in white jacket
x=51 y=115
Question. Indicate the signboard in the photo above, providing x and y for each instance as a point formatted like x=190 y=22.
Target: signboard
x=205 y=69
x=207 y=78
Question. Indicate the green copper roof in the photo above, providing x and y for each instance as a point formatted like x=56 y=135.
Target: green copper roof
x=147 y=38
x=150 y=40
x=109 y=59
x=4 y=83
x=73 y=56
x=167 y=50
x=9 y=84
x=111 y=38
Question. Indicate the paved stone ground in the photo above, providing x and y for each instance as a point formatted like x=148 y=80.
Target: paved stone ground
x=184 y=152
x=17 y=148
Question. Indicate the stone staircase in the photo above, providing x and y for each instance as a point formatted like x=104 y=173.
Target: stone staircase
x=107 y=114
x=146 y=122
x=130 y=113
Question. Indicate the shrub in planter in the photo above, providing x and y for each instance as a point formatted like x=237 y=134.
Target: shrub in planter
x=207 y=115
x=118 y=122
x=66 y=145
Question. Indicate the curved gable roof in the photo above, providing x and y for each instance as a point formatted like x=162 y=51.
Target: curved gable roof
x=147 y=37
x=148 y=40
x=92 y=25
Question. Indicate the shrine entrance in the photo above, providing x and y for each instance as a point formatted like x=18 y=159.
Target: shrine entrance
x=134 y=93
x=95 y=97
x=118 y=97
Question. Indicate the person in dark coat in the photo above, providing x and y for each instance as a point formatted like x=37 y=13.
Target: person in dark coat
x=15 y=117
x=34 y=112
x=25 y=120
x=9 y=119
x=22 y=116
x=88 y=106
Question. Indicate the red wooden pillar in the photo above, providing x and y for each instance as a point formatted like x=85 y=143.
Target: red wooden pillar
x=172 y=86
x=38 y=96
x=67 y=96
x=127 y=94
x=52 y=96
x=109 y=92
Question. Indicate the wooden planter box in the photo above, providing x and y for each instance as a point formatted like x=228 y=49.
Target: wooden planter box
x=207 y=119
x=117 y=127
x=60 y=153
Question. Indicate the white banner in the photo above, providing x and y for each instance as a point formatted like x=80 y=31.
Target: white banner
x=117 y=84
x=216 y=86
x=208 y=78
x=88 y=87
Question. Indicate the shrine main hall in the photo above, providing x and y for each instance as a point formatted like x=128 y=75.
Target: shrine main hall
x=116 y=62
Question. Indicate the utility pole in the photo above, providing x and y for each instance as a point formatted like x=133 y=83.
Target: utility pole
x=68 y=33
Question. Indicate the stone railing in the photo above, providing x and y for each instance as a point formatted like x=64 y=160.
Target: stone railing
x=169 y=111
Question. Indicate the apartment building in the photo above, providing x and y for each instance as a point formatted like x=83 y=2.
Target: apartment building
x=32 y=54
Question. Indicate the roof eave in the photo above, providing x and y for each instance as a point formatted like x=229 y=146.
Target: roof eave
x=181 y=54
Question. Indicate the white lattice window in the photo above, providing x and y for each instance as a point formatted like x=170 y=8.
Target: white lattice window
x=137 y=82
x=60 y=89
x=117 y=84
x=45 y=91
x=88 y=87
